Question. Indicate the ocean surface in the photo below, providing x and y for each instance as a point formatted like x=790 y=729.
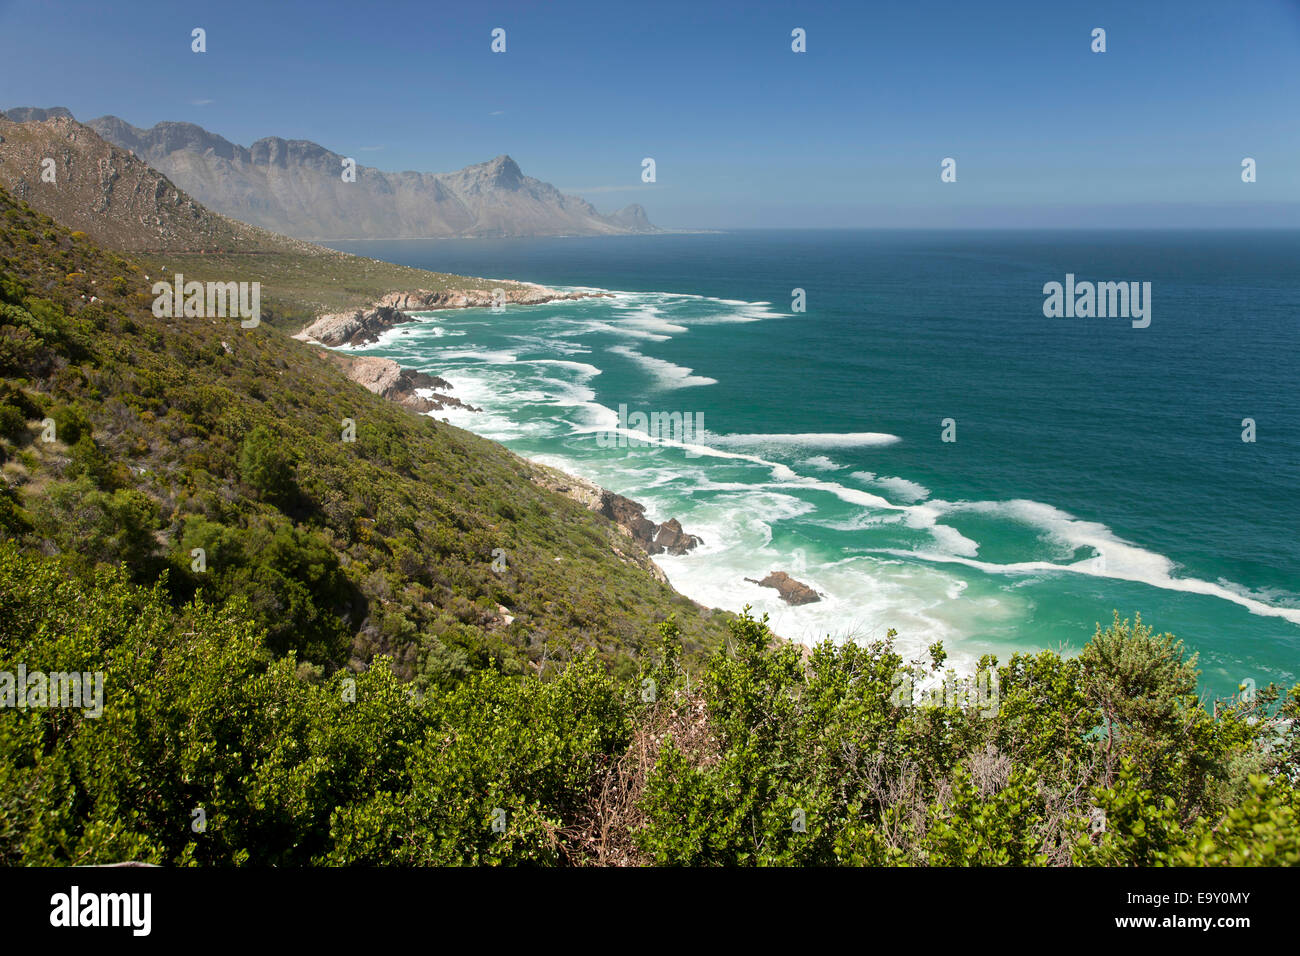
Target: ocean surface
x=1096 y=466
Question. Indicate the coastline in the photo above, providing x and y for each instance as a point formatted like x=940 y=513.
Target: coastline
x=597 y=498
x=856 y=606
x=424 y=393
x=365 y=325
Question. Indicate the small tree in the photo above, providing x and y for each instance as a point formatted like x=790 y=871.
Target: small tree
x=1146 y=693
x=266 y=466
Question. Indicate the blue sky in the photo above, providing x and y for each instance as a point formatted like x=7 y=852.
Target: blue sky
x=744 y=132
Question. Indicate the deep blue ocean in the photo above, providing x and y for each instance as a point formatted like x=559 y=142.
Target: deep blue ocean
x=1096 y=466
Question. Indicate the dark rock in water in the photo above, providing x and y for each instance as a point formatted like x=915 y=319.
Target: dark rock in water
x=791 y=591
x=656 y=539
x=630 y=516
x=411 y=379
x=673 y=539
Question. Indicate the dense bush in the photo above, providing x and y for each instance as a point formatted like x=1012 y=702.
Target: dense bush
x=767 y=757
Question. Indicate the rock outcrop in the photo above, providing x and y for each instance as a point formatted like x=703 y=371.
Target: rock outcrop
x=623 y=511
x=359 y=327
x=386 y=378
x=514 y=293
x=655 y=538
x=364 y=326
x=671 y=538
x=792 y=592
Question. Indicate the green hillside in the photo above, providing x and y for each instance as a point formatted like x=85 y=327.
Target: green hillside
x=177 y=434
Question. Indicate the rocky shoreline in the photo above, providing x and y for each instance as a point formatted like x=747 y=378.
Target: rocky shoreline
x=386 y=378
x=667 y=537
x=655 y=538
x=365 y=326
x=389 y=380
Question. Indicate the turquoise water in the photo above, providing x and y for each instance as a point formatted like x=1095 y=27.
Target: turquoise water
x=1096 y=466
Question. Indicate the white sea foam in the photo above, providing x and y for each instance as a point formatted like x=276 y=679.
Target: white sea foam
x=550 y=344
x=488 y=356
x=667 y=375
x=806 y=440
x=629 y=331
x=585 y=369
x=649 y=320
x=908 y=491
x=821 y=463
x=860 y=597
x=1120 y=560
x=1115 y=558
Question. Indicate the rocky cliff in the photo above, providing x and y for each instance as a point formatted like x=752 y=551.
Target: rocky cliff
x=655 y=538
x=629 y=515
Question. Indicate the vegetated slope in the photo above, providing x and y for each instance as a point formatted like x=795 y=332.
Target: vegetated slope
x=182 y=434
x=296 y=187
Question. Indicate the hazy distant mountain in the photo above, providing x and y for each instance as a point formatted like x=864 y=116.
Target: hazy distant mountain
x=296 y=187
x=31 y=114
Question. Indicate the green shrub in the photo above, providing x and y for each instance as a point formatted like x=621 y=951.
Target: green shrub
x=13 y=423
x=70 y=423
x=266 y=466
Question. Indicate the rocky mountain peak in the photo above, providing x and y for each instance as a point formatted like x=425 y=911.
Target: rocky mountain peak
x=502 y=173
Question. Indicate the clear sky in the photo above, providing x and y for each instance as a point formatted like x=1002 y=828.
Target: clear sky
x=744 y=132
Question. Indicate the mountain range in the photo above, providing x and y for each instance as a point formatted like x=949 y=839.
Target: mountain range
x=66 y=170
x=297 y=188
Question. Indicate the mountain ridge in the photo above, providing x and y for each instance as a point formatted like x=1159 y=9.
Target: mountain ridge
x=85 y=182
x=295 y=187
